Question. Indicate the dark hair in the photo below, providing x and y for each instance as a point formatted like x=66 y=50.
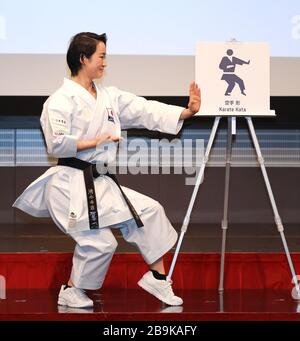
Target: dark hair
x=82 y=44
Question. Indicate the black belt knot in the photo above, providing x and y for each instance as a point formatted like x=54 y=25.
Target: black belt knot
x=90 y=172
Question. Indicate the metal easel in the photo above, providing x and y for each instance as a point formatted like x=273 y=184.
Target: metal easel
x=232 y=131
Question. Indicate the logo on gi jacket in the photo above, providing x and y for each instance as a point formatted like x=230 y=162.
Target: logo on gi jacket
x=110 y=115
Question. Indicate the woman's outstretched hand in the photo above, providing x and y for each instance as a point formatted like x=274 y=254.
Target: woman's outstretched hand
x=194 y=102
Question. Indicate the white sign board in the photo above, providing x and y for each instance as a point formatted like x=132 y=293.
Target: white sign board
x=234 y=79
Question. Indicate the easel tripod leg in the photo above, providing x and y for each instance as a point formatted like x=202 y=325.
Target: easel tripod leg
x=195 y=192
x=226 y=197
x=273 y=203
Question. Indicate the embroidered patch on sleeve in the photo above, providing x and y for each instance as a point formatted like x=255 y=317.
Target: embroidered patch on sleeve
x=59 y=126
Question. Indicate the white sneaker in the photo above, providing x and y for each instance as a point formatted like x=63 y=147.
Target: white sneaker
x=172 y=309
x=74 y=297
x=65 y=309
x=161 y=289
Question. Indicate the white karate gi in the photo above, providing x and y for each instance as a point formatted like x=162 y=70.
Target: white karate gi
x=73 y=114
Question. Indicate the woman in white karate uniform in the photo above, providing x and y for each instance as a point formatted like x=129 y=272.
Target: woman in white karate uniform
x=80 y=121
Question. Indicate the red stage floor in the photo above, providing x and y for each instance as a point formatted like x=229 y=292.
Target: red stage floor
x=134 y=305
x=193 y=270
x=257 y=288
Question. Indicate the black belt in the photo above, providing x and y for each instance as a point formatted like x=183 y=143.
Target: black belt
x=90 y=172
